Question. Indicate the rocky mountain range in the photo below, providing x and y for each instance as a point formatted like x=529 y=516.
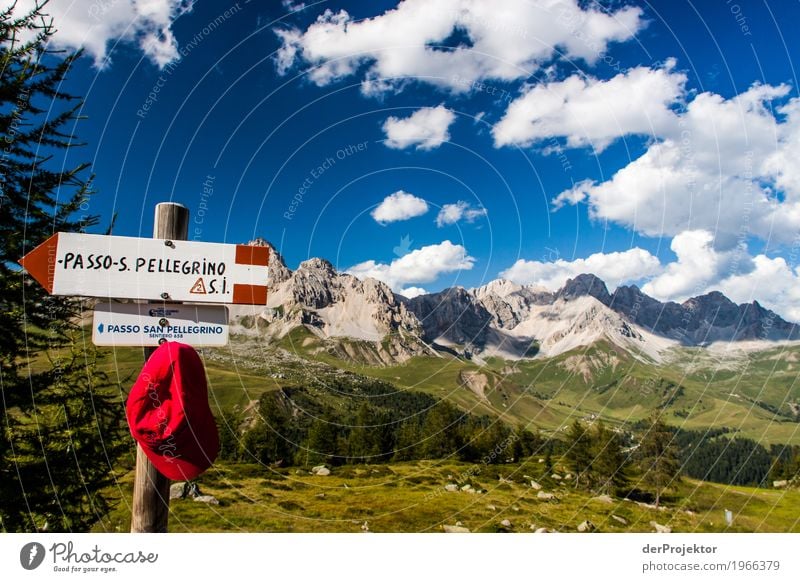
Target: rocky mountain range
x=498 y=319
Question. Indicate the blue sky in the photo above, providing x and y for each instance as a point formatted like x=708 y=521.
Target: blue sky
x=433 y=144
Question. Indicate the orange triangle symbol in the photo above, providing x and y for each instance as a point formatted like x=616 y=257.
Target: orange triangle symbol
x=41 y=262
x=199 y=288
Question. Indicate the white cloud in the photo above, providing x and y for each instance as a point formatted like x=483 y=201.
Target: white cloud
x=507 y=40
x=411 y=292
x=399 y=206
x=293 y=5
x=772 y=283
x=461 y=210
x=422 y=265
x=426 y=128
x=699 y=268
x=727 y=166
x=743 y=278
x=698 y=264
x=615 y=269
x=587 y=111
x=93 y=25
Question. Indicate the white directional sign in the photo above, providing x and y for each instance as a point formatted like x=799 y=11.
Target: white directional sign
x=153 y=269
x=148 y=324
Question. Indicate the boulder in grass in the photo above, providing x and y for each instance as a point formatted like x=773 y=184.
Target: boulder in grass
x=210 y=499
x=586 y=526
x=177 y=490
x=455 y=529
x=545 y=496
x=536 y=485
x=619 y=519
x=321 y=471
x=660 y=528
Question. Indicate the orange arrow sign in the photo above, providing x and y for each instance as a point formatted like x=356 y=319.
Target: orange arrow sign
x=93 y=265
x=41 y=262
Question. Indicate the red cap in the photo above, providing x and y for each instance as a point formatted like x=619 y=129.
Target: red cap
x=169 y=415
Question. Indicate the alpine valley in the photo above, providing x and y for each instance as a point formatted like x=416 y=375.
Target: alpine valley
x=531 y=356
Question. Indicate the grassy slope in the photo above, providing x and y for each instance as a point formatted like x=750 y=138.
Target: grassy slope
x=751 y=394
x=409 y=497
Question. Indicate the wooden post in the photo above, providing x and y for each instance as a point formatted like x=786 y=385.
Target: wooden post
x=150 y=511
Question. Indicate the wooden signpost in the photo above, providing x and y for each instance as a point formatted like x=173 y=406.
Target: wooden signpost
x=166 y=268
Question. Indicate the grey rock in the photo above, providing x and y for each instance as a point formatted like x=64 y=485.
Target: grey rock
x=321 y=471
x=545 y=496
x=586 y=526
x=506 y=523
x=535 y=485
x=660 y=528
x=176 y=490
x=210 y=499
x=603 y=499
x=619 y=519
x=451 y=487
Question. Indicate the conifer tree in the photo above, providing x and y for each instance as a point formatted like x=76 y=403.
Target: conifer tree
x=580 y=454
x=659 y=457
x=609 y=461
x=62 y=418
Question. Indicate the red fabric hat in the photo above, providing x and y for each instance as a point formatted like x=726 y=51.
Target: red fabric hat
x=169 y=415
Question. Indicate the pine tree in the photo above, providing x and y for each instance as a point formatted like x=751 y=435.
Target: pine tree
x=62 y=418
x=440 y=437
x=580 y=454
x=322 y=442
x=609 y=462
x=659 y=457
x=269 y=440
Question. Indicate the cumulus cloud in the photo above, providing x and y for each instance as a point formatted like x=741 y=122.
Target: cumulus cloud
x=422 y=265
x=399 y=206
x=426 y=128
x=505 y=40
x=727 y=166
x=615 y=269
x=412 y=292
x=698 y=264
x=698 y=268
x=587 y=111
x=93 y=25
x=461 y=210
x=772 y=282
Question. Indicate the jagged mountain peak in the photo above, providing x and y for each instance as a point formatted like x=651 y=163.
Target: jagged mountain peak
x=500 y=287
x=317 y=264
x=506 y=318
x=586 y=284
